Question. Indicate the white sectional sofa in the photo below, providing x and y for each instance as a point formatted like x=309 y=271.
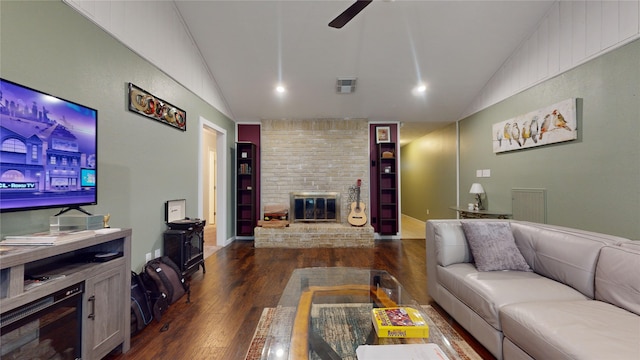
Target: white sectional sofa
x=579 y=300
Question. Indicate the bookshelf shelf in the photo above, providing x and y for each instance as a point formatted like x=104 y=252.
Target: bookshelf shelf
x=387 y=189
x=246 y=181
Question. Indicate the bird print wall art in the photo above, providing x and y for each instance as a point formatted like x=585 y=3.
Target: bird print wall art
x=549 y=125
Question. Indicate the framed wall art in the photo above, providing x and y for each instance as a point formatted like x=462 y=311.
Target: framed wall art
x=549 y=125
x=148 y=105
x=383 y=134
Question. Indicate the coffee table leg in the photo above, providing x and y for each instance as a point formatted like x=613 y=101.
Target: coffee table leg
x=376 y=281
x=320 y=347
x=372 y=337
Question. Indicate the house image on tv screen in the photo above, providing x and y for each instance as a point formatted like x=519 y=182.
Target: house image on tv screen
x=48 y=150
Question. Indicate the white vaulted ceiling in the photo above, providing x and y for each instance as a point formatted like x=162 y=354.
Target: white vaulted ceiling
x=453 y=47
x=234 y=53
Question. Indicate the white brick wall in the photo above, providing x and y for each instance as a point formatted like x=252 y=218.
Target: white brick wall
x=314 y=155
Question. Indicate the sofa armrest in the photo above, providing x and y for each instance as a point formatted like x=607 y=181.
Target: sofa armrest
x=451 y=245
x=445 y=245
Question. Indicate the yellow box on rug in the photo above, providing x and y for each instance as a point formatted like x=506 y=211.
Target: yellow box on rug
x=399 y=322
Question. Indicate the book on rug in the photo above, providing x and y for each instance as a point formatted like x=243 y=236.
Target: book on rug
x=401 y=351
x=399 y=322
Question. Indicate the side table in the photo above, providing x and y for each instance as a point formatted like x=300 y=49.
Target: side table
x=465 y=213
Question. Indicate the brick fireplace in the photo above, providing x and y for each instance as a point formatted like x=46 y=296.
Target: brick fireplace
x=314 y=156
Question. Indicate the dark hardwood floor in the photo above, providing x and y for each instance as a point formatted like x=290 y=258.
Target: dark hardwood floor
x=227 y=301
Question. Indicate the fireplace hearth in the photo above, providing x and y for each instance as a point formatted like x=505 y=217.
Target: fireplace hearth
x=315 y=222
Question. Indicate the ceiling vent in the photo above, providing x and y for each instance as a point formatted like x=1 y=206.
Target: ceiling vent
x=346 y=85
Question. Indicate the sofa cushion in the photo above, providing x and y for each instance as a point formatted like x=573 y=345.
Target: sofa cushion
x=451 y=245
x=493 y=246
x=565 y=255
x=618 y=277
x=487 y=292
x=585 y=330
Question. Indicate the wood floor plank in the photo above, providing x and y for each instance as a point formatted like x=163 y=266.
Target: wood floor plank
x=227 y=301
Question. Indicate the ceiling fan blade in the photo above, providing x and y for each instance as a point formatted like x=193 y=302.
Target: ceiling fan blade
x=353 y=10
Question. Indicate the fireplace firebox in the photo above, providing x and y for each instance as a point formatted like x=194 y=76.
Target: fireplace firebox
x=315 y=206
x=48 y=328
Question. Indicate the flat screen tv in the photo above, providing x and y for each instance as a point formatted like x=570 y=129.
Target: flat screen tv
x=48 y=155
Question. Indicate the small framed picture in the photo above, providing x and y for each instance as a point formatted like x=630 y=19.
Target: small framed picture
x=383 y=134
x=243 y=155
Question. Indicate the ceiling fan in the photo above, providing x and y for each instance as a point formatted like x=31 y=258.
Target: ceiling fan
x=346 y=16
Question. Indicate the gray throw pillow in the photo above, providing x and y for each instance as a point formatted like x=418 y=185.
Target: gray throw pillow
x=493 y=246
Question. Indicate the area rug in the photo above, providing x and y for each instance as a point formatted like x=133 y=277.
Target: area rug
x=460 y=346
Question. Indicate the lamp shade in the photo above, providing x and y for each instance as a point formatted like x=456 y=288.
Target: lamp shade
x=476 y=188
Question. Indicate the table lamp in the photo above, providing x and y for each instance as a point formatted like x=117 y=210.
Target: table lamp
x=477 y=189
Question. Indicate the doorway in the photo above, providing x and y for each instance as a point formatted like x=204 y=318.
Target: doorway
x=212 y=185
x=209 y=182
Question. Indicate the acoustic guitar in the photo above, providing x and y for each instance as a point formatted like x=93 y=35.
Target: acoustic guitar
x=357 y=216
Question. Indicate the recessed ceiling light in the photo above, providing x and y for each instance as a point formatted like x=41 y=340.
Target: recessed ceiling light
x=419 y=90
x=280 y=89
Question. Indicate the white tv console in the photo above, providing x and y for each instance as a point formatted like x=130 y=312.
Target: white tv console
x=106 y=302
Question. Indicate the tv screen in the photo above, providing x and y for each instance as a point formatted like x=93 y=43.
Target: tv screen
x=88 y=177
x=48 y=150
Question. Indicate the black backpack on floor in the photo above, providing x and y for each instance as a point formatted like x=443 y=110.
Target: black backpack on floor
x=164 y=276
x=141 y=313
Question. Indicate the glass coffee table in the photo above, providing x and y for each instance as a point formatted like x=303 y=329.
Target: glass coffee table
x=325 y=313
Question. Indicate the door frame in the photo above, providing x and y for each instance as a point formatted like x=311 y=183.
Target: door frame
x=221 y=182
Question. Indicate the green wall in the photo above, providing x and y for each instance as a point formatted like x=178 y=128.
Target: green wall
x=429 y=175
x=142 y=163
x=592 y=183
